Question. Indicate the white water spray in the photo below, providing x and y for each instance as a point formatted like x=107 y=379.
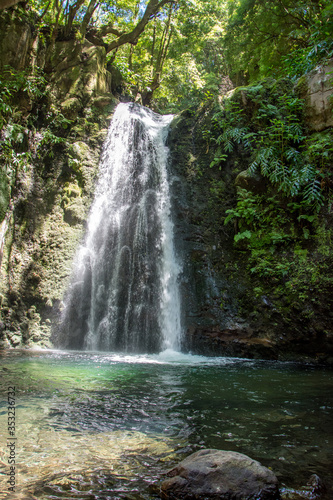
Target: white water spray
x=124 y=294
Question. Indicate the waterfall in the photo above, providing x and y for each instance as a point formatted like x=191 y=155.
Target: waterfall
x=124 y=293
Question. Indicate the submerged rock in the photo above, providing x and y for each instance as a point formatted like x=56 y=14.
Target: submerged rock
x=314 y=490
x=223 y=475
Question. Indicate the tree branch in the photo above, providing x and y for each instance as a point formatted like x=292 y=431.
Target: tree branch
x=71 y=15
x=95 y=35
x=45 y=11
x=131 y=37
x=300 y=20
x=108 y=29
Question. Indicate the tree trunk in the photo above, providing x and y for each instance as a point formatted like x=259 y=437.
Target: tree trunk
x=87 y=17
x=147 y=95
x=71 y=15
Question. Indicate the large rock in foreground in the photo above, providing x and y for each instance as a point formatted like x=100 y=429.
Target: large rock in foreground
x=223 y=475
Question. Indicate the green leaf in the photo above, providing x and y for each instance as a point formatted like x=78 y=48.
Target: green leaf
x=309 y=218
x=241 y=236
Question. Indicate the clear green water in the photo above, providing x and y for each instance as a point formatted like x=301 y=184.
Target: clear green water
x=103 y=426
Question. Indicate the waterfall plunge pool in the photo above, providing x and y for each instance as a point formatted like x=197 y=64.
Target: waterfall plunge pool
x=95 y=425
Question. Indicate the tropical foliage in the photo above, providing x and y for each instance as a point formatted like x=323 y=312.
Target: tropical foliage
x=261 y=36
x=270 y=128
x=182 y=51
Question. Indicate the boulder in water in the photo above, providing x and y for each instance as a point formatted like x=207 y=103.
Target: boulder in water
x=223 y=475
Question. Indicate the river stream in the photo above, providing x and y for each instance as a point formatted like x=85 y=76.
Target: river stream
x=95 y=425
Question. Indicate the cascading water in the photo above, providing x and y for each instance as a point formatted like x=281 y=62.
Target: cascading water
x=124 y=294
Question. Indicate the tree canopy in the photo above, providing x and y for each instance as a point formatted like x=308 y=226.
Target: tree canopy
x=184 y=50
x=204 y=42
x=124 y=21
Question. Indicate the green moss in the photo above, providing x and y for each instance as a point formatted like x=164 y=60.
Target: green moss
x=324 y=239
x=4 y=194
x=78 y=150
x=302 y=87
x=71 y=107
x=75 y=212
x=72 y=190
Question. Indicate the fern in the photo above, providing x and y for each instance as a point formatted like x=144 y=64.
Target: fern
x=276 y=140
x=236 y=134
x=249 y=140
x=262 y=160
x=313 y=193
x=295 y=182
x=241 y=236
x=292 y=155
x=295 y=132
x=279 y=174
x=307 y=173
x=219 y=157
x=230 y=137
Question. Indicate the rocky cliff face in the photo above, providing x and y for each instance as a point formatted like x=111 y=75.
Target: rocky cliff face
x=227 y=310
x=44 y=204
x=317 y=90
x=215 y=288
x=16 y=42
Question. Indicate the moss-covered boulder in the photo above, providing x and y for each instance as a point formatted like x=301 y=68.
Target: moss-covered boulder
x=251 y=181
x=71 y=107
x=77 y=71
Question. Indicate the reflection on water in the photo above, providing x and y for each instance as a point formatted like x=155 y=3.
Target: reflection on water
x=99 y=426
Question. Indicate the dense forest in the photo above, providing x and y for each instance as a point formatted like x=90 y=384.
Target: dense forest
x=236 y=73
x=181 y=52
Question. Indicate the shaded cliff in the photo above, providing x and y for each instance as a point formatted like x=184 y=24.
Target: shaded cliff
x=261 y=284
x=52 y=138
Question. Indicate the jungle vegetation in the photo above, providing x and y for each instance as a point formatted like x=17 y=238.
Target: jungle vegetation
x=184 y=51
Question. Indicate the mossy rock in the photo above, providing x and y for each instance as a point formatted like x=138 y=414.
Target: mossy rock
x=104 y=101
x=71 y=108
x=317 y=90
x=4 y=195
x=116 y=79
x=83 y=163
x=79 y=131
x=16 y=39
x=251 y=181
x=78 y=70
x=75 y=212
x=72 y=190
x=79 y=150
